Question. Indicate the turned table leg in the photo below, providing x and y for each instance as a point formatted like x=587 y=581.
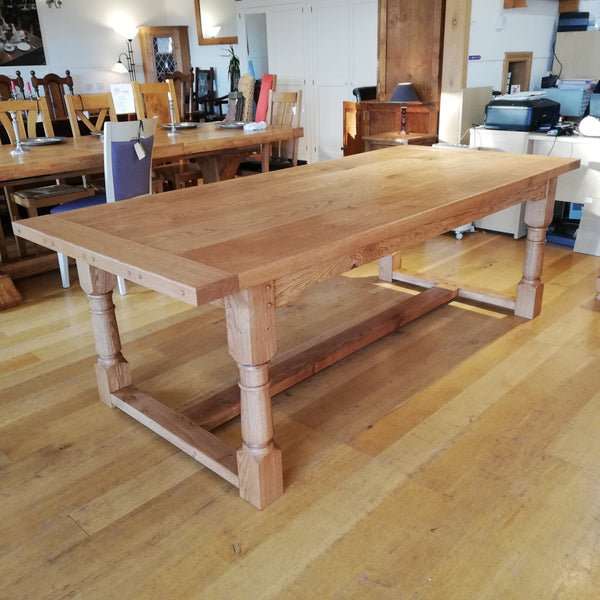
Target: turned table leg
x=538 y=215
x=112 y=370
x=252 y=343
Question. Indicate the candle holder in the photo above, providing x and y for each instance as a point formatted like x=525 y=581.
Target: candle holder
x=19 y=149
x=172 y=132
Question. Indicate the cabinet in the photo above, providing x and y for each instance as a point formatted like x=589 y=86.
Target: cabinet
x=164 y=48
x=362 y=119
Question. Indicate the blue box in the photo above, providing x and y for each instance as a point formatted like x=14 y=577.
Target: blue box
x=572 y=102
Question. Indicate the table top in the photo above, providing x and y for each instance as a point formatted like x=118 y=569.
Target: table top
x=85 y=154
x=302 y=224
x=398 y=137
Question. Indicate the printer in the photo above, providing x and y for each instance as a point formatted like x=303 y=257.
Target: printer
x=521 y=113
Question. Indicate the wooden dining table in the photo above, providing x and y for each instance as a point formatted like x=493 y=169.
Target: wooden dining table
x=218 y=150
x=251 y=245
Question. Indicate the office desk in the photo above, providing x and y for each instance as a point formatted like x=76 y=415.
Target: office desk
x=252 y=244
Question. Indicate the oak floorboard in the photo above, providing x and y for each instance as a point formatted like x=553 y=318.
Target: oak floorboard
x=456 y=458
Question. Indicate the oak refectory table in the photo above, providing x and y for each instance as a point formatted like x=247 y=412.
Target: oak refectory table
x=252 y=244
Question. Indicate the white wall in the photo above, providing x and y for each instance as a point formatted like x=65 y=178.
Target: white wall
x=495 y=31
x=80 y=37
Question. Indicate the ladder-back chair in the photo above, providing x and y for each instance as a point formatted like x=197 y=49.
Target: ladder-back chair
x=184 y=92
x=26 y=113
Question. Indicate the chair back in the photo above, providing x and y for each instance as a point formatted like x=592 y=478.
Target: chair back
x=91 y=110
x=152 y=100
x=184 y=91
x=7 y=84
x=246 y=87
x=53 y=86
x=368 y=92
x=125 y=174
x=285 y=108
x=26 y=113
x=268 y=83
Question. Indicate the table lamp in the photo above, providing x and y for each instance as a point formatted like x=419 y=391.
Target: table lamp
x=404 y=93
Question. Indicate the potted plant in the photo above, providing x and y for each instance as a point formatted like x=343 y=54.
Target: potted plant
x=233 y=70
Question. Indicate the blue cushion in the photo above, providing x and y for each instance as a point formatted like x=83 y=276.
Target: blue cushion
x=81 y=203
x=131 y=175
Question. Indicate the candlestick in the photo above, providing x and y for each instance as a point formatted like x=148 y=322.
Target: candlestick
x=19 y=149
x=173 y=131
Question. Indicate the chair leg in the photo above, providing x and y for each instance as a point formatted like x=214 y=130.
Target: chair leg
x=122 y=287
x=63 y=264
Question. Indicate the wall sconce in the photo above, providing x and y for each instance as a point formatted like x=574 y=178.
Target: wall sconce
x=57 y=3
x=119 y=67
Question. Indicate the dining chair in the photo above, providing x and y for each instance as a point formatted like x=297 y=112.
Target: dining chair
x=285 y=108
x=43 y=194
x=184 y=92
x=88 y=112
x=54 y=88
x=205 y=95
x=152 y=100
x=8 y=84
x=125 y=173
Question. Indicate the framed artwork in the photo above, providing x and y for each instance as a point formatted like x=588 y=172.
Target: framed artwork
x=20 y=34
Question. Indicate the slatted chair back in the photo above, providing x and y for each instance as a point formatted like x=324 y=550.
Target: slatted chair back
x=285 y=108
x=26 y=113
x=54 y=88
x=90 y=110
x=151 y=100
x=184 y=91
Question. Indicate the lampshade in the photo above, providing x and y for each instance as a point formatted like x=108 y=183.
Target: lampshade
x=119 y=67
x=405 y=92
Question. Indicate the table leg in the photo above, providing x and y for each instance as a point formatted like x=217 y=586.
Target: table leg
x=112 y=370
x=538 y=215
x=252 y=343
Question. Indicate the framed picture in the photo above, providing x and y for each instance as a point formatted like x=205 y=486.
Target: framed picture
x=20 y=34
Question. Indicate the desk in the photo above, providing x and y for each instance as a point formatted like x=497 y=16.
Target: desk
x=250 y=245
x=219 y=152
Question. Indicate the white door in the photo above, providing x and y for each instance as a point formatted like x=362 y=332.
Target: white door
x=345 y=57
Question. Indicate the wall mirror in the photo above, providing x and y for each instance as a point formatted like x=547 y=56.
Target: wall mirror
x=215 y=22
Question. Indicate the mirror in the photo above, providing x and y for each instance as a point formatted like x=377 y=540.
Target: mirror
x=215 y=22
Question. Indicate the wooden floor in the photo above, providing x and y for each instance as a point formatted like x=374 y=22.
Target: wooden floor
x=458 y=458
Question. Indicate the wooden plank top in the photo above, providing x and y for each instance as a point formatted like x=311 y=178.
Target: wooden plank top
x=85 y=154
x=202 y=243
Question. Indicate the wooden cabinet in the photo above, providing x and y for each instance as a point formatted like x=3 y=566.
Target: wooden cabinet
x=362 y=119
x=164 y=48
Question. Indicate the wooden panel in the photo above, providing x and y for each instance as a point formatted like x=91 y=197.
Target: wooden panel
x=568 y=6
x=410 y=37
x=578 y=53
x=515 y=3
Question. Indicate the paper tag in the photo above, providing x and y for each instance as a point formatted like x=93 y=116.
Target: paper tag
x=139 y=150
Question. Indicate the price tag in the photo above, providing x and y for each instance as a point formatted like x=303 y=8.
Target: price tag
x=139 y=150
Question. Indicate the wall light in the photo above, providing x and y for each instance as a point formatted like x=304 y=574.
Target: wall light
x=57 y=3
